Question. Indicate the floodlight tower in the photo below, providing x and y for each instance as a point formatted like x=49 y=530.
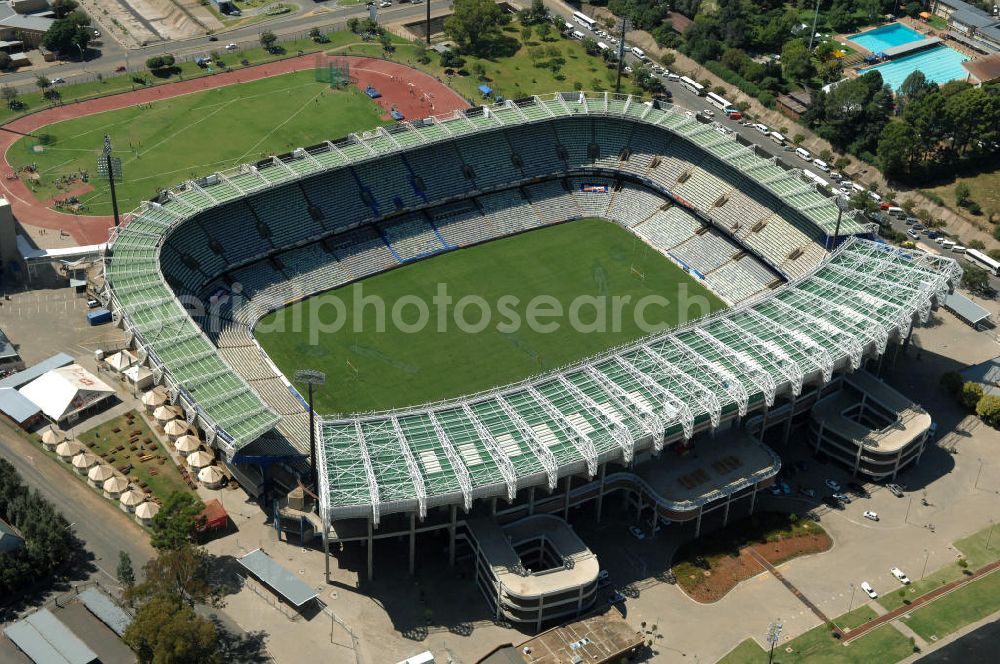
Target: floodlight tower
x=312 y=377
x=112 y=165
x=772 y=637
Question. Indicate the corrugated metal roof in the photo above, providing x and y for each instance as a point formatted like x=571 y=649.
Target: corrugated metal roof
x=46 y=640
x=277 y=577
x=965 y=308
x=33 y=372
x=16 y=406
x=105 y=610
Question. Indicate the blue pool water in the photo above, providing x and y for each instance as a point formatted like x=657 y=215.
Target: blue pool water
x=879 y=39
x=940 y=64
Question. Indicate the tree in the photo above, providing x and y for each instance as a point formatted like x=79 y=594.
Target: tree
x=9 y=95
x=125 y=573
x=42 y=82
x=590 y=46
x=184 y=573
x=166 y=631
x=544 y=30
x=951 y=382
x=975 y=278
x=268 y=39
x=962 y=194
x=898 y=149
x=63 y=7
x=353 y=24
x=796 y=61
x=68 y=35
x=971 y=394
x=5 y=61
x=474 y=24
x=535 y=14
x=174 y=525
x=988 y=409
x=526 y=32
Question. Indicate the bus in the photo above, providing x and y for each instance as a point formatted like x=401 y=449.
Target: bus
x=984 y=261
x=720 y=103
x=693 y=85
x=584 y=20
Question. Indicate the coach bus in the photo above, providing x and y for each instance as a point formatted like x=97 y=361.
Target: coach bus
x=693 y=85
x=984 y=261
x=584 y=20
x=720 y=103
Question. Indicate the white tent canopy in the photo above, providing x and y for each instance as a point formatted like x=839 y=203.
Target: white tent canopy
x=121 y=360
x=66 y=391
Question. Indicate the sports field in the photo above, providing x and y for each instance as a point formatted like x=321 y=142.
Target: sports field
x=166 y=142
x=469 y=345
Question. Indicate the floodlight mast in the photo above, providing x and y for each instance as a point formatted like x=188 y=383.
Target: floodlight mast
x=312 y=377
x=111 y=177
x=772 y=637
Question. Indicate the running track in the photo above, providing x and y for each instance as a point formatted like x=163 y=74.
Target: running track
x=393 y=80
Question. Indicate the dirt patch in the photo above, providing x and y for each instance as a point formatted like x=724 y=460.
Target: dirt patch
x=707 y=569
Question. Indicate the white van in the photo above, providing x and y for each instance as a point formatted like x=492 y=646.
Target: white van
x=673 y=77
x=803 y=154
x=958 y=249
x=577 y=34
x=897 y=212
x=857 y=187
x=821 y=165
x=638 y=52
x=777 y=138
x=602 y=46
x=948 y=244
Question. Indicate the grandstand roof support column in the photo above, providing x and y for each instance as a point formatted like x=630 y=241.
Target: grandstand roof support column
x=326 y=547
x=569 y=485
x=413 y=537
x=451 y=529
x=371 y=543
x=600 y=491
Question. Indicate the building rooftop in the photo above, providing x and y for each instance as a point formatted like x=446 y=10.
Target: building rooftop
x=986 y=374
x=985 y=70
x=972 y=17
x=595 y=640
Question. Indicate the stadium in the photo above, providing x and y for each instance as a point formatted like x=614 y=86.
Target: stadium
x=806 y=297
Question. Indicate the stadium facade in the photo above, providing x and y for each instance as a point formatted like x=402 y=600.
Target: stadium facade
x=190 y=273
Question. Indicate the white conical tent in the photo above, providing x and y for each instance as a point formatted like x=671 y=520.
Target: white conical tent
x=145 y=512
x=52 y=437
x=121 y=361
x=69 y=449
x=187 y=444
x=211 y=477
x=153 y=399
x=131 y=499
x=115 y=486
x=100 y=474
x=200 y=459
x=84 y=461
x=165 y=414
x=175 y=428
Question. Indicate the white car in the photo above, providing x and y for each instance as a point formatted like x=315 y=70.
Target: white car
x=834 y=486
x=873 y=516
x=58 y=80
x=902 y=578
x=867 y=587
x=231 y=47
x=708 y=113
x=637 y=533
x=385 y=3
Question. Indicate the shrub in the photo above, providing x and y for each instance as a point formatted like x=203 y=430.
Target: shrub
x=988 y=409
x=961 y=193
x=971 y=394
x=952 y=382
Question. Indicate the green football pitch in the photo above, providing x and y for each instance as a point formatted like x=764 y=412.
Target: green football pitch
x=609 y=285
x=167 y=142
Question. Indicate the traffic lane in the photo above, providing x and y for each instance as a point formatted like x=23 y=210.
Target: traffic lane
x=98 y=523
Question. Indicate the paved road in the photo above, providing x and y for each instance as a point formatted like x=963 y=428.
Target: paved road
x=104 y=529
x=115 y=56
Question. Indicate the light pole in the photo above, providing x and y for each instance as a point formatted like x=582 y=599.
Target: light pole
x=812 y=34
x=312 y=377
x=976 y=485
x=841 y=206
x=906 y=517
x=851 y=603
x=621 y=58
x=772 y=637
x=989 y=536
x=927 y=555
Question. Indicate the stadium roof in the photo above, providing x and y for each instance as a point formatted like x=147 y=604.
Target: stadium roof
x=279 y=579
x=230 y=412
x=36 y=370
x=105 y=610
x=633 y=398
x=46 y=640
x=16 y=406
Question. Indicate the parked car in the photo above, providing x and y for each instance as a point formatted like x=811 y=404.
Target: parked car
x=898 y=573
x=708 y=113
x=785 y=489
x=602 y=578
x=895 y=490
x=213 y=38
x=616 y=598
x=385 y=3
x=231 y=47
x=873 y=516
x=830 y=501
x=806 y=491
x=832 y=484
x=842 y=497
x=58 y=80
x=636 y=532
x=867 y=587
x=774 y=490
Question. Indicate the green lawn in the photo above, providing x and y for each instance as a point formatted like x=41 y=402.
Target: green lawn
x=395 y=368
x=939 y=577
x=974 y=548
x=957 y=609
x=885 y=645
x=159 y=473
x=195 y=134
x=984 y=189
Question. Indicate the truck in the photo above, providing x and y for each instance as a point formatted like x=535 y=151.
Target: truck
x=98 y=316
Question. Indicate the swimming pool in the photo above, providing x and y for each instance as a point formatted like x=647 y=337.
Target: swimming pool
x=879 y=39
x=940 y=64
